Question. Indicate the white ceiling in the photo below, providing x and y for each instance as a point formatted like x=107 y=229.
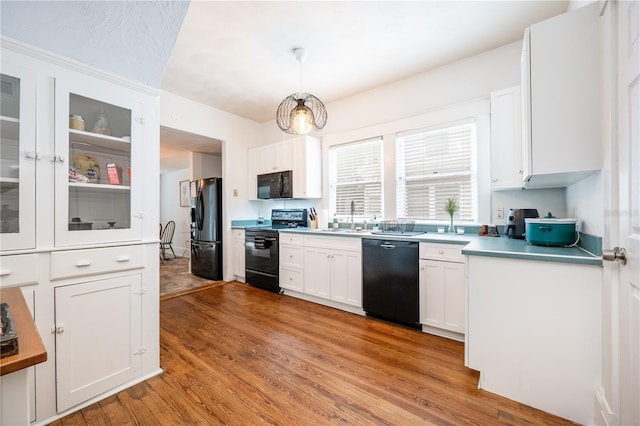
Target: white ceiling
x=237 y=56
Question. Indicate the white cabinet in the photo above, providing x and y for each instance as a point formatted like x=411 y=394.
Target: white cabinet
x=108 y=207
x=534 y=332
x=333 y=269
x=277 y=157
x=307 y=168
x=18 y=157
x=442 y=289
x=506 y=139
x=95 y=278
x=238 y=254
x=561 y=86
x=301 y=155
x=317 y=271
x=291 y=262
x=98 y=342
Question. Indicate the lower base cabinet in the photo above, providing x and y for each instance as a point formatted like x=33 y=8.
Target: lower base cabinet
x=442 y=295
x=98 y=337
x=333 y=269
x=535 y=332
x=443 y=291
x=238 y=254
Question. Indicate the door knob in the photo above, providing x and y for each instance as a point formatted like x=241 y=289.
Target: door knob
x=618 y=253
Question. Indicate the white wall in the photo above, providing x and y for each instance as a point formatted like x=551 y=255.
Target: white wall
x=205 y=166
x=170 y=209
x=585 y=202
x=459 y=82
x=545 y=200
x=237 y=134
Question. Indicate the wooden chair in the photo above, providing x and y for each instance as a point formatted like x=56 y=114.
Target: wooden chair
x=166 y=239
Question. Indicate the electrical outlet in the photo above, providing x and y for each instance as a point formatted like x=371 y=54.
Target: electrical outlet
x=500 y=213
x=235 y=192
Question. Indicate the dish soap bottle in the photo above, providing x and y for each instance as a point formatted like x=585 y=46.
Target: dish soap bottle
x=376 y=227
x=335 y=221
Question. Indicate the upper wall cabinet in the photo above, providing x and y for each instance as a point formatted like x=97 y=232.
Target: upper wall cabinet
x=302 y=155
x=99 y=155
x=561 y=93
x=17 y=157
x=506 y=139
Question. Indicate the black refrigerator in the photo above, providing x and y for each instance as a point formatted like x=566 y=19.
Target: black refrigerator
x=206 y=229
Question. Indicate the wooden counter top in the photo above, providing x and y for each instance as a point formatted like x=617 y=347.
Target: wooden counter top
x=31 y=349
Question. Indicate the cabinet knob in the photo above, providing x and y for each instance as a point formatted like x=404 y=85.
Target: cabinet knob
x=519 y=171
x=57 y=159
x=440 y=251
x=495 y=180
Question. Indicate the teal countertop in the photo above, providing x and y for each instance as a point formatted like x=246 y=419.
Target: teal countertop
x=476 y=245
x=520 y=249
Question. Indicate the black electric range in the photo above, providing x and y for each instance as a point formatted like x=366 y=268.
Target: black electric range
x=261 y=248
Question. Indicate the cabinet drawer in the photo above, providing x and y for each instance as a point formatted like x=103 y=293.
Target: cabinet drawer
x=446 y=252
x=290 y=239
x=291 y=278
x=331 y=242
x=18 y=270
x=74 y=263
x=291 y=256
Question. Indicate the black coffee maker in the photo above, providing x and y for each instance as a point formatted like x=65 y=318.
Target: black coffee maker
x=515 y=226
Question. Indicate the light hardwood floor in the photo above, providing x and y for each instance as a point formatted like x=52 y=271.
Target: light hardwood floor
x=234 y=354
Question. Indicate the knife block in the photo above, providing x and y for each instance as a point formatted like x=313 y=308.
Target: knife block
x=314 y=223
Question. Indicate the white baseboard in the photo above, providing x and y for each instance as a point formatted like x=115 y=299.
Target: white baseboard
x=604 y=414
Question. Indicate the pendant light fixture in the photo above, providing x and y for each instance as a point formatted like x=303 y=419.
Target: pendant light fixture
x=300 y=112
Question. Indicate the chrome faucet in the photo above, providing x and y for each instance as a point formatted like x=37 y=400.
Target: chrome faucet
x=353 y=207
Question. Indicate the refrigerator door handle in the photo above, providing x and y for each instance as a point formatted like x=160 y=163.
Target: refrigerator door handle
x=206 y=245
x=200 y=211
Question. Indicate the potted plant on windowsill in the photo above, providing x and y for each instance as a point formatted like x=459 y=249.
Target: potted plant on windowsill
x=451 y=206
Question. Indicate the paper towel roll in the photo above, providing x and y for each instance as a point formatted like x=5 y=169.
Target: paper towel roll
x=323 y=218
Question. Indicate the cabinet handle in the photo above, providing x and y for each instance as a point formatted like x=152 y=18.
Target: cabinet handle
x=32 y=155
x=123 y=259
x=57 y=159
x=5 y=272
x=83 y=263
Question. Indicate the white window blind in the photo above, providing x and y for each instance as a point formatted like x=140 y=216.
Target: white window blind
x=433 y=166
x=355 y=174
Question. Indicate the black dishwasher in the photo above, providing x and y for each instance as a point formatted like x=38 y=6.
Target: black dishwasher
x=390 y=281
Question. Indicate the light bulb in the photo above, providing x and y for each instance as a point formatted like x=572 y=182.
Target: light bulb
x=301 y=119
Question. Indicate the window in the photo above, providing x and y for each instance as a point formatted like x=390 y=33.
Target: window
x=434 y=165
x=355 y=174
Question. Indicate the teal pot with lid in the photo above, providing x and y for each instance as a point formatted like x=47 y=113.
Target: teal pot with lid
x=551 y=232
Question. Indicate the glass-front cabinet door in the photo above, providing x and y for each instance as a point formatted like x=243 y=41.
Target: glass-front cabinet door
x=17 y=157
x=98 y=144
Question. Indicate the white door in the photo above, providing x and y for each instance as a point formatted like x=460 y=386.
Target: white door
x=629 y=208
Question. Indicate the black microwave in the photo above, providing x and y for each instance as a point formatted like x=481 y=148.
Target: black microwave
x=275 y=185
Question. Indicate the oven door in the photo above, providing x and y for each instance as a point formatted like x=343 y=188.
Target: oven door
x=261 y=254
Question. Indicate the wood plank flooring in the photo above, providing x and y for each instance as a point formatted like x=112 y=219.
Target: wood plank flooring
x=234 y=354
